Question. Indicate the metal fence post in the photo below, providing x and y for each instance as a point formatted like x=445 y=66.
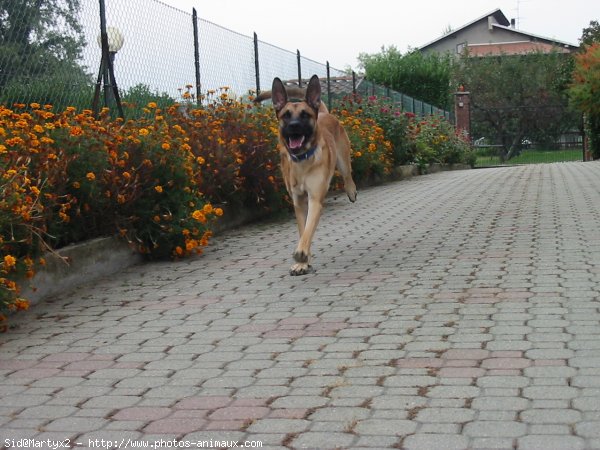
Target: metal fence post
x=197 y=58
x=328 y=87
x=299 y=69
x=256 y=65
x=107 y=72
x=354 y=83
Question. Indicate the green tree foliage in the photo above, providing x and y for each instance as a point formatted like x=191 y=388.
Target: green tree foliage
x=518 y=97
x=40 y=44
x=584 y=92
x=423 y=76
x=590 y=34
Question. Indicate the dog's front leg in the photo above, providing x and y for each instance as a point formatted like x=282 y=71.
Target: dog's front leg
x=302 y=253
x=301 y=211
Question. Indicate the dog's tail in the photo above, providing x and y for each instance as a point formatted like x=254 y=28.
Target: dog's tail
x=294 y=93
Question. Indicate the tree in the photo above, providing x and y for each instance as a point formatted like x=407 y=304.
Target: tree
x=584 y=92
x=516 y=98
x=40 y=42
x=423 y=76
x=590 y=34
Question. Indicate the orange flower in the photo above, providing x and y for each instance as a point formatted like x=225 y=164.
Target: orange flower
x=90 y=176
x=158 y=189
x=199 y=216
x=75 y=131
x=21 y=304
x=9 y=262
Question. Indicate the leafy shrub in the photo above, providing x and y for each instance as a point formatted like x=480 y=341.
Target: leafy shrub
x=371 y=152
x=437 y=141
x=66 y=177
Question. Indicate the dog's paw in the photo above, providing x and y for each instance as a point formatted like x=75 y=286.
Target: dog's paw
x=352 y=196
x=300 y=256
x=301 y=269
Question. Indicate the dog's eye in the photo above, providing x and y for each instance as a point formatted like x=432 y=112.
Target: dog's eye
x=286 y=115
x=304 y=115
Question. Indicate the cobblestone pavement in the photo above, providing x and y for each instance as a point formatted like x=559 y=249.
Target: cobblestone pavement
x=449 y=311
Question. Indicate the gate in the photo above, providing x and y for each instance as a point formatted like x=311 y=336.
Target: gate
x=569 y=147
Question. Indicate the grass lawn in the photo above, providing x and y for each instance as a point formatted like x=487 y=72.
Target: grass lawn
x=531 y=157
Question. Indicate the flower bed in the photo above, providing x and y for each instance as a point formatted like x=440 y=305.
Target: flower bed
x=162 y=180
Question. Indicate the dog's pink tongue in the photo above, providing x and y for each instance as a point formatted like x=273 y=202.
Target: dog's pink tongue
x=295 y=143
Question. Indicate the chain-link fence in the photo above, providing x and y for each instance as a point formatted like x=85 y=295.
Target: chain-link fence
x=51 y=53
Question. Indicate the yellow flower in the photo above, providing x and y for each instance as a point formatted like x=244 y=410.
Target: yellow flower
x=166 y=146
x=76 y=184
x=151 y=105
x=143 y=132
x=208 y=209
x=35 y=105
x=2 y=149
x=38 y=128
x=158 y=189
x=218 y=212
x=90 y=176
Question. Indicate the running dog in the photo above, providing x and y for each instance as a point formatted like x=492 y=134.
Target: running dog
x=312 y=144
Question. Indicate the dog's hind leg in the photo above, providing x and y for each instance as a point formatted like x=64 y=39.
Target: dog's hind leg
x=344 y=166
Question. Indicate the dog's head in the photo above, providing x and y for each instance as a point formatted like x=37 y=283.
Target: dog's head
x=297 y=120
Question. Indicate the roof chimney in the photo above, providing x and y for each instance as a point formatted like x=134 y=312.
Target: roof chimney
x=513 y=23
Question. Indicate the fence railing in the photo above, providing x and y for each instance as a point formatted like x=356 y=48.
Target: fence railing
x=162 y=53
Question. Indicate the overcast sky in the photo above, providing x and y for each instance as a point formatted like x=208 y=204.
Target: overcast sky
x=338 y=31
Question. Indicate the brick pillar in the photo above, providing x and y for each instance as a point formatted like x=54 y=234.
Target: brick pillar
x=462 y=112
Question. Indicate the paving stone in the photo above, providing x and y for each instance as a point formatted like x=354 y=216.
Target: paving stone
x=495 y=429
x=382 y=427
x=544 y=442
x=424 y=441
x=313 y=439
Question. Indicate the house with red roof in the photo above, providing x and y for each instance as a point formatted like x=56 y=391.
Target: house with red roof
x=494 y=34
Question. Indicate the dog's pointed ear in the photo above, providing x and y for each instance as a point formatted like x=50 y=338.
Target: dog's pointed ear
x=313 y=93
x=278 y=95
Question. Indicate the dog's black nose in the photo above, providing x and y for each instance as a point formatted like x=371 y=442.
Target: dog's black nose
x=294 y=125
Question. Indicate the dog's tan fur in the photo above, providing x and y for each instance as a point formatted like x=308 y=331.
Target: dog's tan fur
x=307 y=180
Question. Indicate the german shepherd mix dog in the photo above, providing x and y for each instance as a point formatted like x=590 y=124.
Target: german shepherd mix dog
x=312 y=143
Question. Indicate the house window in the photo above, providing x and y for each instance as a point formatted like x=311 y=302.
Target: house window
x=461 y=47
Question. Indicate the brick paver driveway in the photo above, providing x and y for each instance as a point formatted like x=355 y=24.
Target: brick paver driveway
x=450 y=311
